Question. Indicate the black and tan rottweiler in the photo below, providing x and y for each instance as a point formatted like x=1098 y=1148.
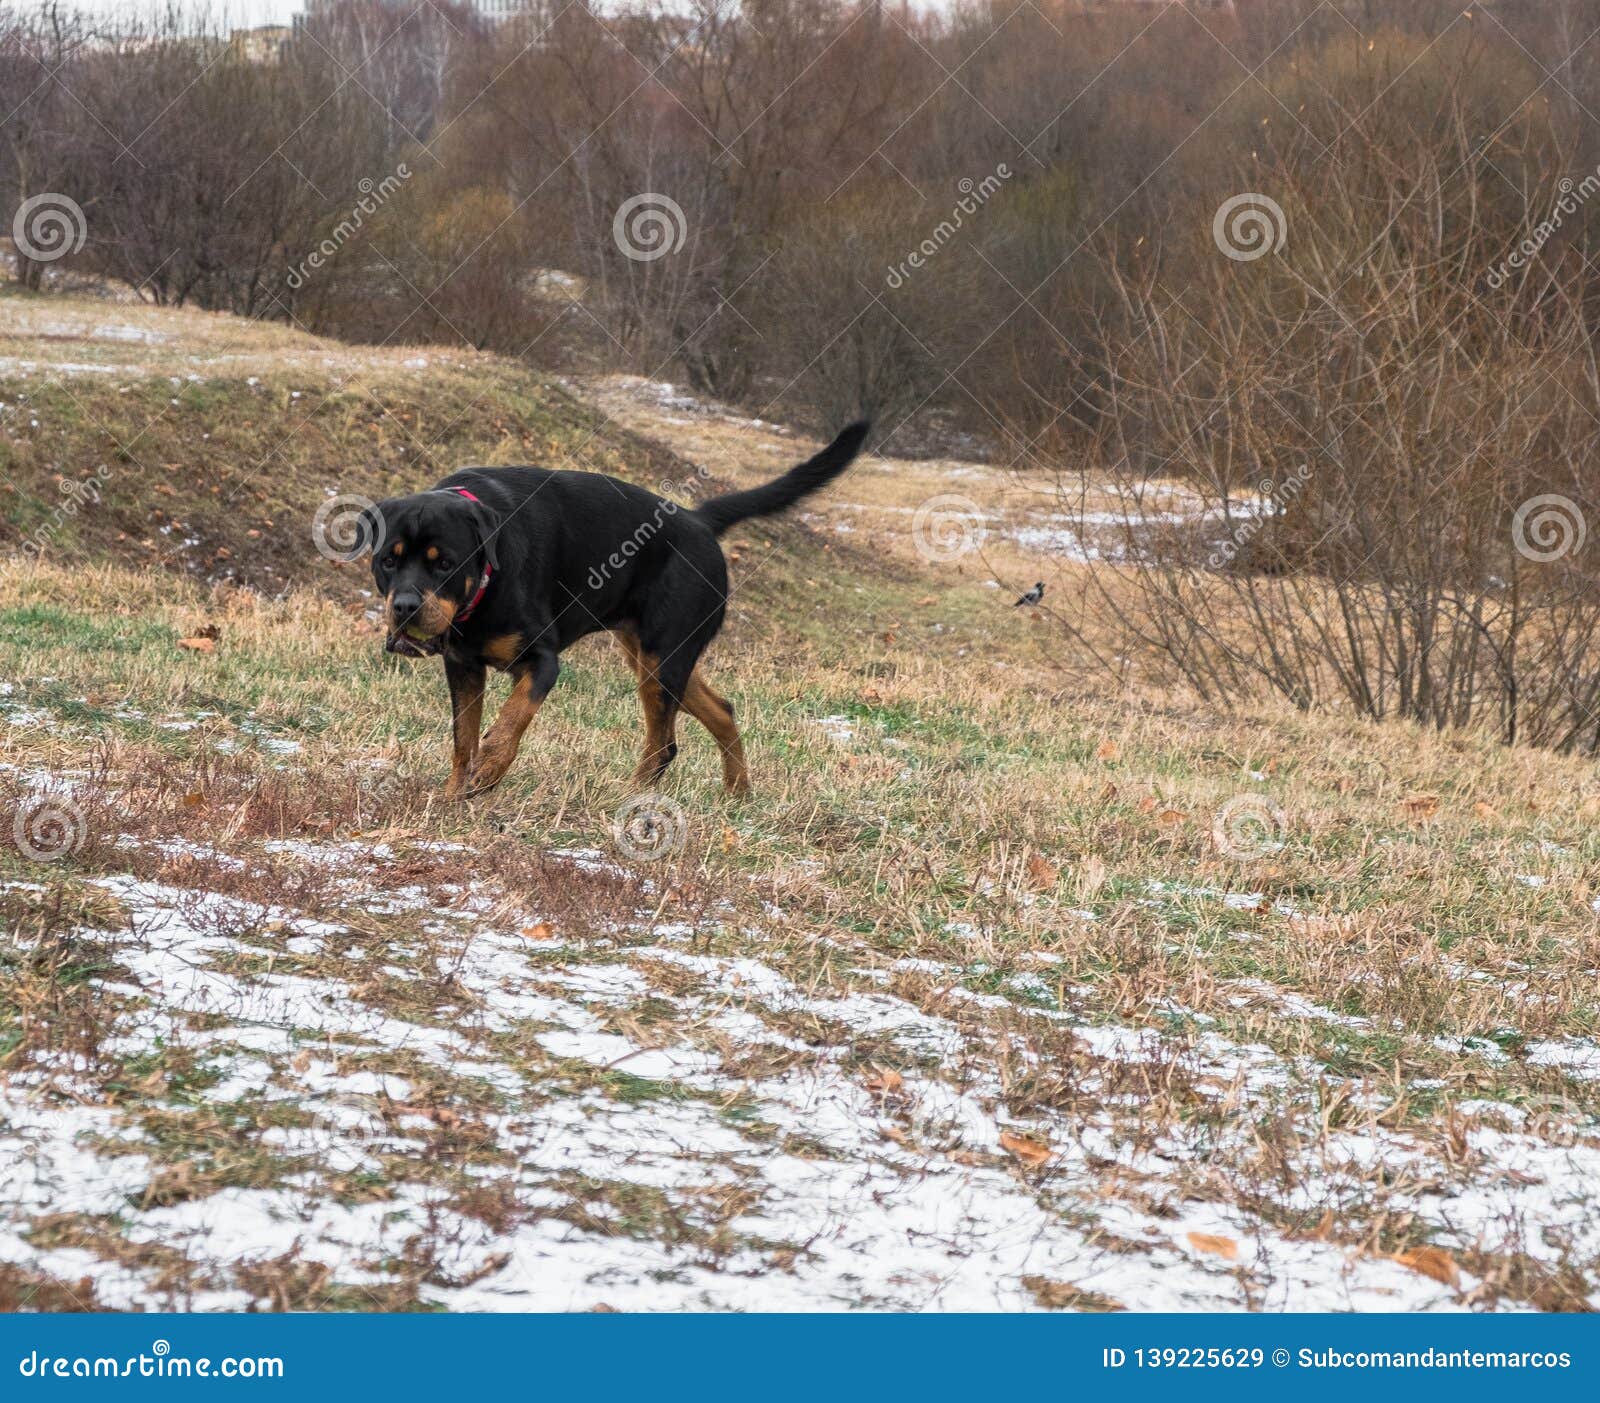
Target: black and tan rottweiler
x=508 y=567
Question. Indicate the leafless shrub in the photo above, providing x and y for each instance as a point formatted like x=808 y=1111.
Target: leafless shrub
x=1389 y=451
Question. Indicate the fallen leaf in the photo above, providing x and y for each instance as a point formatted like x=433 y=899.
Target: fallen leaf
x=1107 y=750
x=198 y=645
x=1171 y=816
x=1147 y=805
x=1431 y=1261
x=1220 y=1246
x=1063 y=1295
x=730 y=838
x=885 y=1080
x=1042 y=873
x=871 y=695
x=1030 y=1151
x=193 y=799
x=1091 y=876
x=926 y=600
x=1483 y=810
x=1421 y=806
x=1323 y=1232
x=543 y=931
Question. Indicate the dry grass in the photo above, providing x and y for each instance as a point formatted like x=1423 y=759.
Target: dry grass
x=938 y=821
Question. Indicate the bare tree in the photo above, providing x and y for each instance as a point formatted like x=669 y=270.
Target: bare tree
x=40 y=154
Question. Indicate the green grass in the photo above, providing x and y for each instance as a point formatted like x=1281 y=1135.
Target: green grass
x=981 y=803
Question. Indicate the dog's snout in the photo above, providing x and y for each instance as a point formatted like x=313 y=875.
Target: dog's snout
x=404 y=603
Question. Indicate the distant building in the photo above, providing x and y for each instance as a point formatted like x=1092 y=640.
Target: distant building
x=498 y=11
x=263 y=44
x=494 y=11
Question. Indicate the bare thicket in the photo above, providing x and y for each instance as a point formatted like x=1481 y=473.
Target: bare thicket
x=775 y=201
x=1357 y=420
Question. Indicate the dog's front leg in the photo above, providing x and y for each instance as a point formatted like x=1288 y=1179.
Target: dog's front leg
x=466 y=710
x=532 y=684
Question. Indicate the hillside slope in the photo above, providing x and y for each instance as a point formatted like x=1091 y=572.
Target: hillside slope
x=1005 y=990
x=209 y=441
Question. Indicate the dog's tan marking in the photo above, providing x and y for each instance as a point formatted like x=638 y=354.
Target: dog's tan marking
x=434 y=615
x=716 y=715
x=660 y=719
x=660 y=712
x=503 y=649
x=468 y=722
x=399 y=548
x=433 y=552
x=499 y=747
x=437 y=610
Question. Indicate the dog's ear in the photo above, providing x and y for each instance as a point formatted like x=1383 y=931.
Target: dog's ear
x=486 y=525
x=371 y=530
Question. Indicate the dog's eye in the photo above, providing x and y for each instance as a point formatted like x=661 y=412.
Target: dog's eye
x=386 y=563
x=442 y=564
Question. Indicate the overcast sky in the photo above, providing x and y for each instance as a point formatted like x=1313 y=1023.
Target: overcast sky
x=235 y=14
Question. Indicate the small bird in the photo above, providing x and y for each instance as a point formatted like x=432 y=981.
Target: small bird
x=1033 y=596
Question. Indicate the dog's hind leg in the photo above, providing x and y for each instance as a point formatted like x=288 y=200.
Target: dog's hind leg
x=533 y=681
x=716 y=715
x=660 y=704
x=466 y=710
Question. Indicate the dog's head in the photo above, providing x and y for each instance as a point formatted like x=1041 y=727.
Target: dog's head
x=430 y=556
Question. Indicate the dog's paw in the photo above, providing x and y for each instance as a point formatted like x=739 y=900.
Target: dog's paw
x=487 y=771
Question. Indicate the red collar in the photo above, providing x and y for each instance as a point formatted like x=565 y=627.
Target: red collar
x=462 y=615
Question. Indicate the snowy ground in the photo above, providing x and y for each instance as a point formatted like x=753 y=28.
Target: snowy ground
x=969 y=1008
x=945 y=507
x=436 y=1093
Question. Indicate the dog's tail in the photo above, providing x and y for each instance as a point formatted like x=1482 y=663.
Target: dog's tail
x=722 y=512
